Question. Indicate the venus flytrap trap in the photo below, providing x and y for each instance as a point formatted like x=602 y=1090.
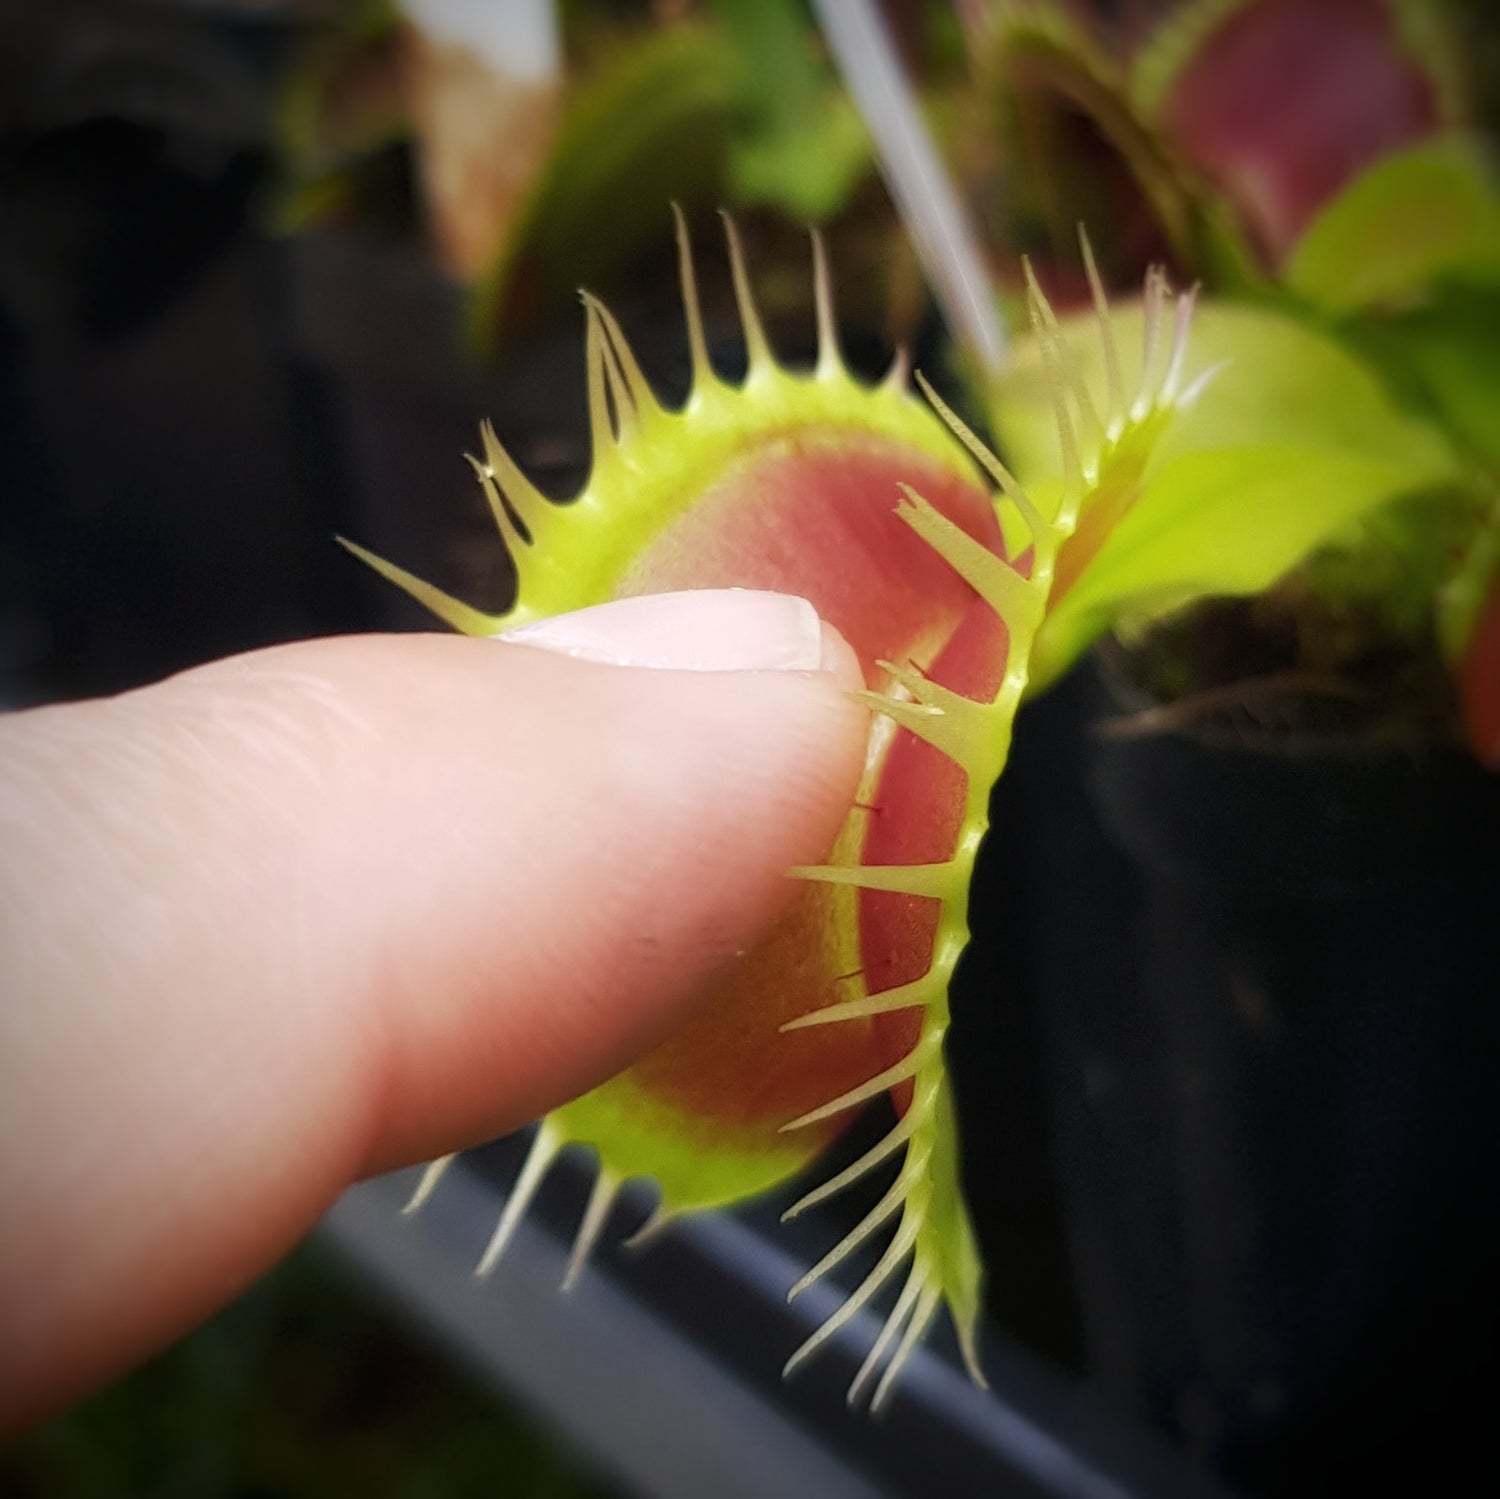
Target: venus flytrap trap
x=938 y=572
x=1283 y=442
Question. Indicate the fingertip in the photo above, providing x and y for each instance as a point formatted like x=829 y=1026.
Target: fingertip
x=839 y=660
x=665 y=809
x=354 y=903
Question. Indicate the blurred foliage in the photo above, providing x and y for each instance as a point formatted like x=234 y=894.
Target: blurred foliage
x=1320 y=165
x=342 y=125
x=300 y=1390
x=1411 y=220
x=722 y=103
x=651 y=126
x=803 y=149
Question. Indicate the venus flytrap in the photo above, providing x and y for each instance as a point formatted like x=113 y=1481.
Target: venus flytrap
x=937 y=566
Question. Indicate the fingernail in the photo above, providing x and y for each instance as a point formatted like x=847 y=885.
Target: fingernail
x=710 y=629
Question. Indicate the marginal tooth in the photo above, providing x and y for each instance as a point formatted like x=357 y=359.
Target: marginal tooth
x=601 y=1200
x=899 y=373
x=897 y=1250
x=627 y=418
x=1202 y=382
x=757 y=349
x=1043 y=315
x=1093 y=425
x=516 y=541
x=967 y=1329
x=545 y=1146
x=622 y=398
x=1068 y=366
x=1054 y=356
x=1038 y=308
x=892 y=1202
x=1072 y=471
x=899 y=1313
x=660 y=1219
x=887 y=1147
x=1017 y=600
x=528 y=502
x=639 y=388
x=431 y=1176
x=1152 y=308
x=830 y=358
x=901 y=709
x=1113 y=375
x=899 y=1072
x=924 y=690
x=906 y=997
x=601 y=429
x=1007 y=482
x=703 y=372
x=926 y=1310
x=1182 y=325
x=951 y=731
x=941 y=881
x=461 y=616
x=611 y=419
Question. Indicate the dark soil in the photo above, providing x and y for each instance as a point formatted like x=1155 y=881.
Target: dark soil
x=1286 y=665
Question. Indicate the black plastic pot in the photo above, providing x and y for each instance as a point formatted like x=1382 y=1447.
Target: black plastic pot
x=1271 y=997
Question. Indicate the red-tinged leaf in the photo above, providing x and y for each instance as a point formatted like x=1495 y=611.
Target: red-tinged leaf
x=1479 y=684
x=1280 y=103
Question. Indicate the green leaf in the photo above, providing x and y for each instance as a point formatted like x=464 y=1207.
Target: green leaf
x=1463 y=596
x=1410 y=219
x=1291 y=441
x=652 y=127
x=344 y=95
x=1072 y=144
x=340 y=121
x=809 y=172
x=1399 y=563
x=803 y=148
x=1445 y=357
x=776 y=43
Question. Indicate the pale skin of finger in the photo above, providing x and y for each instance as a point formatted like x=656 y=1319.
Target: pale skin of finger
x=332 y=908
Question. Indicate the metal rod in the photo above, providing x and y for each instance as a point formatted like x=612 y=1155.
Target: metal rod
x=919 y=184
